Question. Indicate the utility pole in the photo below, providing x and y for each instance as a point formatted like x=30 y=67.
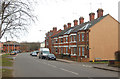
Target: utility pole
x=14 y=46
x=8 y=47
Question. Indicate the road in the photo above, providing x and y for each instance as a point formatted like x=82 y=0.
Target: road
x=28 y=66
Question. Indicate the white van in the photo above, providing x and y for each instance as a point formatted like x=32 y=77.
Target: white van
x=43 y=52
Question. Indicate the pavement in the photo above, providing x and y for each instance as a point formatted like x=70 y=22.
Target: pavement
x=115 y=69
x=66 y=61
x=1 y=54
x=98 y=66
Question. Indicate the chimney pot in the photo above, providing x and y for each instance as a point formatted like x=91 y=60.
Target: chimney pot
x=69 y=25
x=75 y=22
x=81 y=19
x=99 y=12
x=54 y=29
x=51 y=30
x=65 y=26
x=92 y=15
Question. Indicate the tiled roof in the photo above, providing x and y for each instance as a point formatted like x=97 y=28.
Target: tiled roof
x=83 y=26
x=62 y=32
x=79 y=26
x=88 y=24
x=96 y=21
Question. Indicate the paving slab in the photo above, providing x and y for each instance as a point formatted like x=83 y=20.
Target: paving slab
x=116 y=69
x=63 y=60
x=98 y=66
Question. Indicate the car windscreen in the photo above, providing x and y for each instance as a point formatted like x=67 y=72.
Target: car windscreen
x=13 y=52
x=34 y=53
x=45 y=52
x=51 y=55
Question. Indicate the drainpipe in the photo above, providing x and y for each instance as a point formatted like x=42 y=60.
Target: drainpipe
x=86 y=42
x=77 y=48
x=14 y=46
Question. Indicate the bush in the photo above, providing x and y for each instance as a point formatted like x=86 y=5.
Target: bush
x=117 y=55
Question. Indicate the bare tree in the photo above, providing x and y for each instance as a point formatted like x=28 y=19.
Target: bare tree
x=15 y=15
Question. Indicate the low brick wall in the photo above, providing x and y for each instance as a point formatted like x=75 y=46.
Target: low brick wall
x=72 y=58
x=83 y=59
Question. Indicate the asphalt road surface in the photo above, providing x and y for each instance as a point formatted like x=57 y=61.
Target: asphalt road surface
x=28 y=66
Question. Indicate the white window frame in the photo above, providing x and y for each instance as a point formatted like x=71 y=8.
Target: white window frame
x=66 y=39
x=61 y=40
x=56 y=41
x=83 y=51
x=74 y=38
x=56 y=49
x=83 y=37
x=71 y=38
x=66 y=49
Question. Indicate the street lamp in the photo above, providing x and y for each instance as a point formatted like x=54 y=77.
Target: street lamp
x=7 y=44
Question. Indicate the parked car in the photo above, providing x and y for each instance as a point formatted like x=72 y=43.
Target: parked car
x=13 y=53
x=17 y=51
x=34 y=53
x=51 y=57
x=43 y=52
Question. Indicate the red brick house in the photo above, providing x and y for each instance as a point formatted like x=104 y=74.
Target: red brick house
x=48 y=40
x=85 y=42
x=10 y=46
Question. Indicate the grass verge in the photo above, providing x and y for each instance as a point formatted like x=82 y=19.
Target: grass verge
x=7 y=72
x=100 y=62
x=7 y=61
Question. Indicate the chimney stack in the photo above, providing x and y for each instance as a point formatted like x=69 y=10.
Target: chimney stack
x=99 y=13
x=92 y=15
x=65 y=26
x=51 y=30
x=81 y=19
x=75 y=22
x=54 y=29
x=69 y=25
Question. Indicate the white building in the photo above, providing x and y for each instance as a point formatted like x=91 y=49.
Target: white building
x=42 y=44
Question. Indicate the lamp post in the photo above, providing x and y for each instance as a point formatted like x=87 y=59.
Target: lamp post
x=7 y=44
x=8 y=47
x=0 y=47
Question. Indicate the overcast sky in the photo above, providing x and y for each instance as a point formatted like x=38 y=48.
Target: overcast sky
x=56 y=13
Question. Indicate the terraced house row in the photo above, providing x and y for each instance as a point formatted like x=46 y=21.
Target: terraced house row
x=97 y=39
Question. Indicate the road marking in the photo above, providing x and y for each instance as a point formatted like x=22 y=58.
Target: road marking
x=52 y=65
x=86 y=65
x=69 y=71
x=44 y=63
